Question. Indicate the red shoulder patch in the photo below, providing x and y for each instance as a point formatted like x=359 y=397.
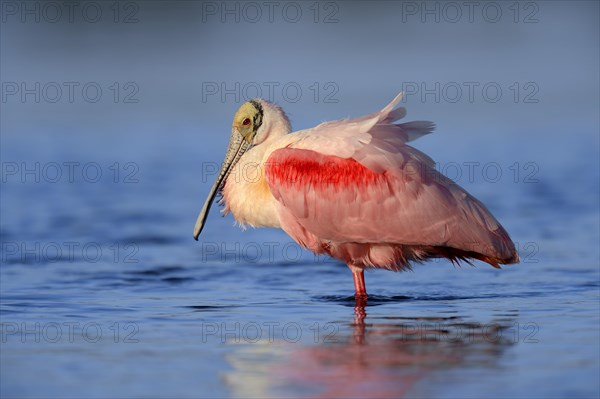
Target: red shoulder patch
x=292 y=166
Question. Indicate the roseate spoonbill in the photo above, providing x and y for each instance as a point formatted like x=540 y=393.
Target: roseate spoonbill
x=352 y=189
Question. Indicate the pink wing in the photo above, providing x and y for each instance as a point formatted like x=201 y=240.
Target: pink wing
x=357 y=182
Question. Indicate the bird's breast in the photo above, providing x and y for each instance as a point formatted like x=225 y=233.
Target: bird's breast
x=247 y=195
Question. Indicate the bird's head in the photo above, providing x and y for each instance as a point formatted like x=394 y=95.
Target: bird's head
x=258 y=120
x=255 y=122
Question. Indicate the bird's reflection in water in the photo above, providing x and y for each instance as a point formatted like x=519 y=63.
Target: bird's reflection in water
x=379 y=358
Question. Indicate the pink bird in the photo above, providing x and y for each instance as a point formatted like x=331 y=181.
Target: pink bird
x=353 y=189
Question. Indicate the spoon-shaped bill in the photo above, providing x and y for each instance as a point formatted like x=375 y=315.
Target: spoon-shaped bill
x=237 y=147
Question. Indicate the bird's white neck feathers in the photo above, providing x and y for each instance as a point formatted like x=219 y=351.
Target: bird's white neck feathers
x=275 y=122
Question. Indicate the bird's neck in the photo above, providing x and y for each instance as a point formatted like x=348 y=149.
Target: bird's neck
x=246 y=194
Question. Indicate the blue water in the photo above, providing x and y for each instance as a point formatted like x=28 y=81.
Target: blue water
x=104 y=293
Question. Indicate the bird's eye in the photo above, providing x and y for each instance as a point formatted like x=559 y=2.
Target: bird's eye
x=246 y=122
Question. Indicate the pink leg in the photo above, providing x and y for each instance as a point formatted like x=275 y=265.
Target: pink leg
x=360 y=291
x=360 y=295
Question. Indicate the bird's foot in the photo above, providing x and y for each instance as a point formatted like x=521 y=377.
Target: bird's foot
x=361 y=295
x=361 y=300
